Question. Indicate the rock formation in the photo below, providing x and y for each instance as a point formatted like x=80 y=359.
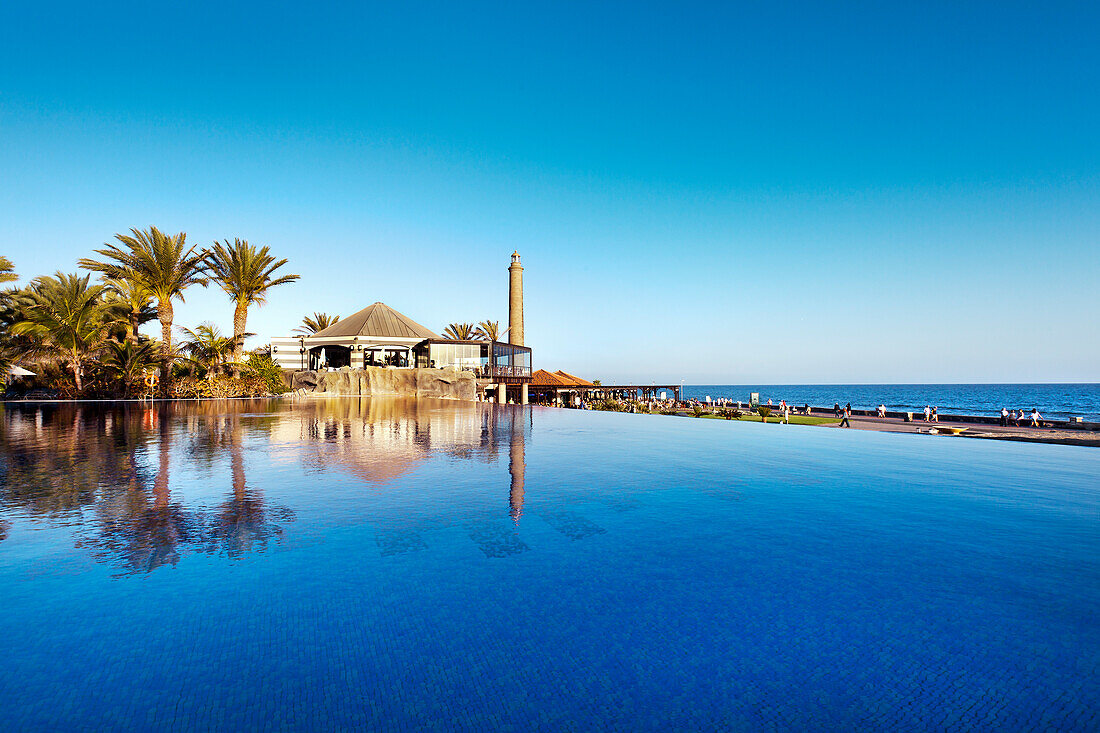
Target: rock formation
x=446 y=384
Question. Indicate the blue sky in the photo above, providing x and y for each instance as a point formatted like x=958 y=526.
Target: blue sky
x=770 y=193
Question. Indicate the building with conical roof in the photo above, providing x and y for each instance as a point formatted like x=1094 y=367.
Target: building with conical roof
x=378 y=335
x=378 y=321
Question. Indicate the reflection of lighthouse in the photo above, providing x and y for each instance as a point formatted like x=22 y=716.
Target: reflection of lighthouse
x=517 y=466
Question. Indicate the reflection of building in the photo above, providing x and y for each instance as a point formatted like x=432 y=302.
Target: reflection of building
x=378 y=335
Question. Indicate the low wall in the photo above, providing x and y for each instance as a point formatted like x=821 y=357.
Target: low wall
x=446 y=384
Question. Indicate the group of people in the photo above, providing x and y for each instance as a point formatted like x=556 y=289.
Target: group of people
x=1015 y=418
x=1018 y=418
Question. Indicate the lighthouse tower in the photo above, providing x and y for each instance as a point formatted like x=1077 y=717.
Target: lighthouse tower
x=515 y=301
x=515 y=311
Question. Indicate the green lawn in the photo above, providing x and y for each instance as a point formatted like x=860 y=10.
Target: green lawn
x=795 y=419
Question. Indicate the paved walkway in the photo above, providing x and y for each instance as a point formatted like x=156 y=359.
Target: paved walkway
x=996 y=432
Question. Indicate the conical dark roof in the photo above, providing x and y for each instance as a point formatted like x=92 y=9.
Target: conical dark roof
x=377 y=321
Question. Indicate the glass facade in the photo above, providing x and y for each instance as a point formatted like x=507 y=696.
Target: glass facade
x=484 y=358
x=460 y=356
x=510 y=360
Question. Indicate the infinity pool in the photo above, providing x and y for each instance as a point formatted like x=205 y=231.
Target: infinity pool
x=402 y=565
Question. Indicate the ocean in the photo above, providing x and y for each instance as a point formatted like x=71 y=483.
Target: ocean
x=1054 y=401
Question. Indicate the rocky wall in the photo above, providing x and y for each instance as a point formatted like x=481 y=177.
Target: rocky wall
x=446 y=384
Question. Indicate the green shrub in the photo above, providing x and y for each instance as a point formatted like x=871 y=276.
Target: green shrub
x=219 y=387
x=764 y=412
x=261 y=367
x=697 y=411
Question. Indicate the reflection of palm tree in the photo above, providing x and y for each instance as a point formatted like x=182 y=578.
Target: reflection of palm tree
x=152 y=535
x=242 y=522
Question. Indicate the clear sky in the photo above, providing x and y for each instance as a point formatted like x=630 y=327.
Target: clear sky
x=773 y=192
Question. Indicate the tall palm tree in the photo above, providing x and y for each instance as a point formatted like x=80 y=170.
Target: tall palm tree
x=316 y=322
x=162 y=264
x=245 y=273
x=488 y=330
x=460 y=331
x=68 y=314
x=207 y=347
x=6 y=271
x=134 y=303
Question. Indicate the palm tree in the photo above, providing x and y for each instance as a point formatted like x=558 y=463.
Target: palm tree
x=207 y=347
x=129 y=360
x=134 y=304
x=163 y=265
x=67 y=314
x=316 y=322
x=460 y=331
x=6 y=271
x=245 y=273
x=488 y=330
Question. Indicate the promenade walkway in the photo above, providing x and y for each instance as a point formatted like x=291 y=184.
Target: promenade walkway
x=995 y=432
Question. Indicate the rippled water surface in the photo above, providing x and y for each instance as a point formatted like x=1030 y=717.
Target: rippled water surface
x=403 y=565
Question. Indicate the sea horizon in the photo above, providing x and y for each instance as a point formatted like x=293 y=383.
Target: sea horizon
x=1054 y=400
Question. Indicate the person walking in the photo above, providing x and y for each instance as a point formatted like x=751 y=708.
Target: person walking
x=836 y=409
x=928 y=413
x=1036 y=418
x=786 y=415
x=882 y=411
x=1004 y=417
x=935 y=414
x=845 y=422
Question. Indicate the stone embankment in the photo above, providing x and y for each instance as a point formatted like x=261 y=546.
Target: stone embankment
x=446 y=384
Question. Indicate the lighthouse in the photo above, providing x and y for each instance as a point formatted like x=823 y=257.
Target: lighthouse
x=515 y=301
x=515 y=312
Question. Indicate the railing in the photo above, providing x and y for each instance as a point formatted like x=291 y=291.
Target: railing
x=504 y=371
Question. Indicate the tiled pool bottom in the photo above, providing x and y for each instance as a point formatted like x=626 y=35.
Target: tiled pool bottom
x=400 y=566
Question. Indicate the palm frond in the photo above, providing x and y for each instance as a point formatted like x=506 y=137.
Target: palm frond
x=316 y=322
x=460 y=331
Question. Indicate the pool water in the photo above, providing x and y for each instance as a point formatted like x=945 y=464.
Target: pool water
x=391 y=564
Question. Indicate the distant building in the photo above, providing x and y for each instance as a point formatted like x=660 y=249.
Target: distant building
x=380 y=336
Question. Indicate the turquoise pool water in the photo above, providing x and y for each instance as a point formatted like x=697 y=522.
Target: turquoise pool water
x=395 y=565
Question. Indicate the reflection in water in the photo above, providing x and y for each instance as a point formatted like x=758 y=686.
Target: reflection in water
x=113 y=472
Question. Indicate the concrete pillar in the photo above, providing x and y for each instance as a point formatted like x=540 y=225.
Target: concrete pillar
x=515 y=301
x=523 y=394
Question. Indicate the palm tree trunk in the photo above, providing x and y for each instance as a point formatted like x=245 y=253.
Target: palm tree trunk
x=164 y=315
x=132 y=329
x=77 y=373
x=240 y=318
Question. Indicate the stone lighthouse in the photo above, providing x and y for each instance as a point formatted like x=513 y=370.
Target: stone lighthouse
x=515 y=313
x=515 y=301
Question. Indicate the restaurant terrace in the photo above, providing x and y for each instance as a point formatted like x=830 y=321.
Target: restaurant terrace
x=561 y=387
